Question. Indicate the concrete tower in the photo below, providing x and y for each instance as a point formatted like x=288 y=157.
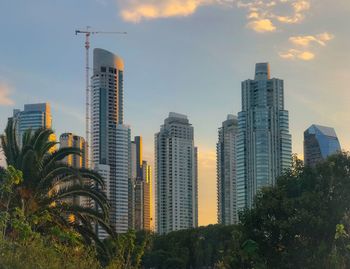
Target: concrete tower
x=176 y=175
x=226 y=171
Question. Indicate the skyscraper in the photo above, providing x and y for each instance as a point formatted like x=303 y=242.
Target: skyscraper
x=139 y=188
x=119 y=187
x=147 y=194
x=33 y=117
x=176 y=175
x=319 y=143
x=110 y=145
x=69 y=140
x=264 y=142
x=226 y=171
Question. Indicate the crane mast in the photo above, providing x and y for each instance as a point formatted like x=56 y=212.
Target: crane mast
x=88 y=34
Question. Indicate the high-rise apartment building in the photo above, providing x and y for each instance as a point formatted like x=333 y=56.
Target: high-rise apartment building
x=120 y=186
x=226 y=171
x=33 y=117
x=146 y=195
x=139 y=189
x=69 y=140
x=264 y=145
x=176 y=175
x=319 y=143
x=110 y=144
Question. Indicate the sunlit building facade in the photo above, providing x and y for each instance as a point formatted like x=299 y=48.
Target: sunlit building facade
x=226 y=171
x=110 y=144
x=176 y=175
x=69 y=140
x=33 y=117
x=320 y=142
x=139 y=189
x=264 y=145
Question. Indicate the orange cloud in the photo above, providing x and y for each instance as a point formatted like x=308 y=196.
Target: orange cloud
x=294 y=54
x=305 y=41
x=305 y=45
x=5 y=92
x=262 y=26
x=137 y=10
x=264 y=15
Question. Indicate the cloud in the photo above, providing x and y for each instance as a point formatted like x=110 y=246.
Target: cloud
x=137 y=10
x=270 y=13
x=305 y=41
x=293 y=54
x=262 y=26
x=299 y=8
x=304 y=46
x=5 y=92
x=263 y=15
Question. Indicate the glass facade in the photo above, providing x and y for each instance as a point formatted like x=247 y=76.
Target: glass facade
x=110 y=138
x=319 y=143
x=264 y=145
x=33 y=117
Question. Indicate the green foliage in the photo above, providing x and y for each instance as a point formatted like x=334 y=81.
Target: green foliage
x=302 y=222
x=40 y=253
x=127 y=249
x=37 y=186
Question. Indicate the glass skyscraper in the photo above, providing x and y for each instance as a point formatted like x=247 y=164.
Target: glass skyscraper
x=264 y=145
x=226 y=171
x=34 y=116
x=110 y=145
x=319 y=143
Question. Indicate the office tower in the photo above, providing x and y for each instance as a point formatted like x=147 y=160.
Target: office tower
x=69 y=140
x=264 y=142
x=110 y=144
x=226 y=171
x=176 y=175
x=319 y=143
x=139 y=188
x=33 y=117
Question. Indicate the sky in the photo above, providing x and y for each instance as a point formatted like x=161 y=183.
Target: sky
x=186 y=56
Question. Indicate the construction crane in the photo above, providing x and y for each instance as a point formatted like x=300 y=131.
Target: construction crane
x=87 y=32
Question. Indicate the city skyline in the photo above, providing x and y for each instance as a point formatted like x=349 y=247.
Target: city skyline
x=205 y=61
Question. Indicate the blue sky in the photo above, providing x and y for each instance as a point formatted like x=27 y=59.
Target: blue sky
x=187 y=56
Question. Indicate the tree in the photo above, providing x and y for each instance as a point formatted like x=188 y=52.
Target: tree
x=46 y=183
x=294 y=223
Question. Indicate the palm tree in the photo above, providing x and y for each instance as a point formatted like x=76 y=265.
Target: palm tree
x=48 y=183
